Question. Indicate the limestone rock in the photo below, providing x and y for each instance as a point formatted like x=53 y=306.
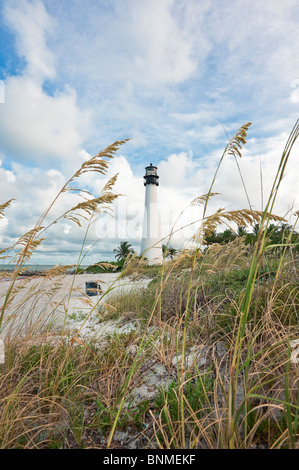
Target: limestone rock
x=196 y=356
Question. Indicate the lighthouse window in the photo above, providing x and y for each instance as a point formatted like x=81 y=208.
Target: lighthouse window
x=151 y=172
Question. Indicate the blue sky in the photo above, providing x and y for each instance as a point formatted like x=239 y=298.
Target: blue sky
x=176 y=76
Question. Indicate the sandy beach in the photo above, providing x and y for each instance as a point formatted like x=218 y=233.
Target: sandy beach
x=59 y=300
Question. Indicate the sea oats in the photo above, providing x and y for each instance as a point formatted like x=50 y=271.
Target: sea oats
x=4 y=206
x=235 y=144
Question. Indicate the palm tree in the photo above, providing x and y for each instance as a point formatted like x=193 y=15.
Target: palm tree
x=123 y=250
x=284 y=232
x=272 y=233
x=212 y=237
x=227 y=235
x=241 y=231
x=168 y=251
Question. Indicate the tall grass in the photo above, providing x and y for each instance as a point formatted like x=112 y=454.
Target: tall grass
x=254 y=266
x=210 y=353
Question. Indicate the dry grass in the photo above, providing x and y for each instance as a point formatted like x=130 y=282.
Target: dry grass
x=216 y=324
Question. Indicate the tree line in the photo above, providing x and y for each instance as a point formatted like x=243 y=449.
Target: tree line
x=275 y=234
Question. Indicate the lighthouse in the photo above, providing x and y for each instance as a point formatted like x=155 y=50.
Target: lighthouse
x=151 y=246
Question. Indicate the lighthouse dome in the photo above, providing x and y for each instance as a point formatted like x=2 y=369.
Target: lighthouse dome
x=151 y=176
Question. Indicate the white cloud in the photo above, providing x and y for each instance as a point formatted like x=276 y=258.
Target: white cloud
x=168 y=74
x=174 y=170
x=31 y=23
x=39 y=128
x=164 y=52
x=35 y=126
x=268 y=152
x=190 y=180
x=139 y=42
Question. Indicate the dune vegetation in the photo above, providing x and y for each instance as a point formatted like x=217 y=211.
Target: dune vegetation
x=210 y=360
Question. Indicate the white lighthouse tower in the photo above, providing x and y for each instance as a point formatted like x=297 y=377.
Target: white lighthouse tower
x=151 y=246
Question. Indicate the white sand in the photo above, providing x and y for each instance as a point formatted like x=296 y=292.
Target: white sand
x=63 y=297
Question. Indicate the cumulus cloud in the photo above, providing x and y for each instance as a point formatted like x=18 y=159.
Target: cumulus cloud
x=35 y=126
x=175 y=76
x=141 y=42
x=39 y=128
x=164 y=52
x=31 y=23
x=191 y=180
x=33 y=190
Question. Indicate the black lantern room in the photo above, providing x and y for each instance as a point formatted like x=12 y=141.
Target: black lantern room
x=151 y=176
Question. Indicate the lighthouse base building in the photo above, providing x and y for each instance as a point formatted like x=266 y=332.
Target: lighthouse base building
x=151 y=245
